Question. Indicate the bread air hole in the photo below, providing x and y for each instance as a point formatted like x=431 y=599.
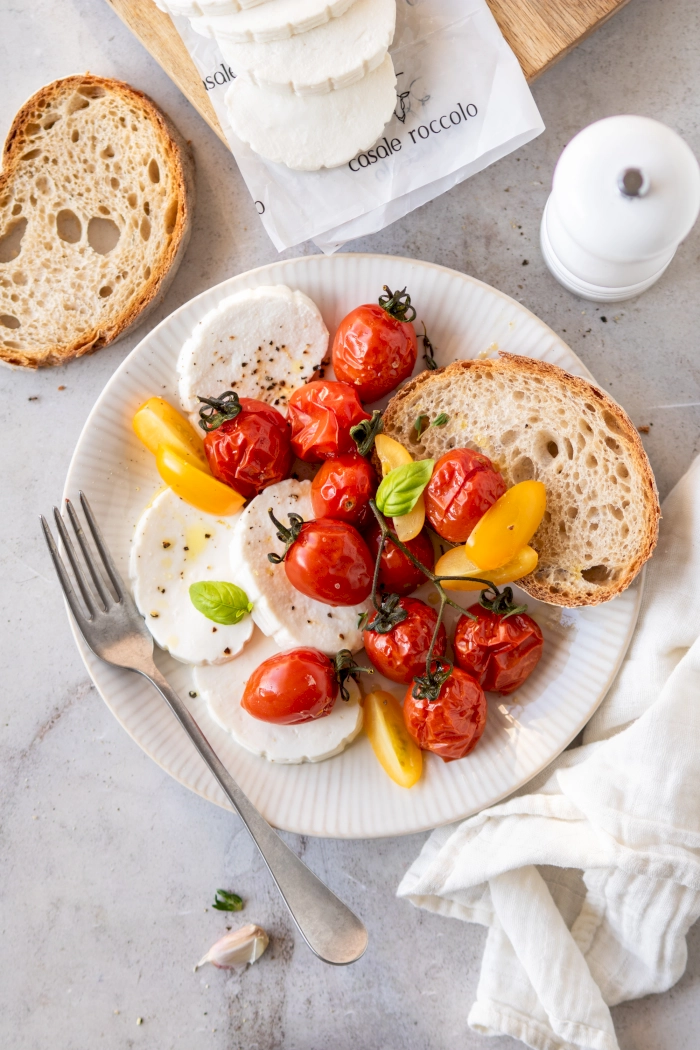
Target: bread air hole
x=596 y=574
x=154 y=171
x=622 y=471
x=92 y=91
x=11 y=241
x=68 y=226
x=569 y=449
x=32 y=154
x=613 y=444
x=107 y=152
x=76 y=103
x=524 y=470
x=612 y=423
x=145 y=228
x=170 y=216
x=105 y=291
x=75 y=135
x=103 y=235
x=8 y=321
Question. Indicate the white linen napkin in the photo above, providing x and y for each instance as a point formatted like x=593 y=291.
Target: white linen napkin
x=589 y=877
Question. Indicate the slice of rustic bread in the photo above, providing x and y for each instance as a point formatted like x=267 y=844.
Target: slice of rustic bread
x=536 y=421
x=96 y=196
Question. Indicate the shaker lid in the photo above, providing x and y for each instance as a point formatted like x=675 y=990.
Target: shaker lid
x=627 y=188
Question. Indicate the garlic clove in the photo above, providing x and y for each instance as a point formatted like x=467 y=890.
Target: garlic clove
x=236 y=948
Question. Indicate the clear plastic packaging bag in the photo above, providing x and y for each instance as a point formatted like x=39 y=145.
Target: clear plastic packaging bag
x=462 y=103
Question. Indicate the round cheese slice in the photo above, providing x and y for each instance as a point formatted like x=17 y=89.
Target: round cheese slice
x=262 y=342
x=222 y=689
x=198 y=8
x=273 y=21
x=175 y=545
x=310 y=132
x=332 y=56
x=279 y=609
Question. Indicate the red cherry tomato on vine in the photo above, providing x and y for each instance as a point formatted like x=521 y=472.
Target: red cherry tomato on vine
x=329 y=561
x=288 y=688
x=252 y=450
x=500 y=652
x=321 y=414
x=397 y=573
x=463 y=486
x=375 y=346
x=401 y=653
x=343 y=488
x=450 y=726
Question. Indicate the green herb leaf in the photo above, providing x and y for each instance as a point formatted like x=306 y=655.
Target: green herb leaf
x=399 y=491
x=221 y=602
x=225 y=901
x=420 y=424
x=440 y=420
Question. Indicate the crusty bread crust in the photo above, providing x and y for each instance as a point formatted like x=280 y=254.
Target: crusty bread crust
x=173 y=151
x=564 y=586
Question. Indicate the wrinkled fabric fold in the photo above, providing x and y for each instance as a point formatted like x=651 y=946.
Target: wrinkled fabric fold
x=589 y=878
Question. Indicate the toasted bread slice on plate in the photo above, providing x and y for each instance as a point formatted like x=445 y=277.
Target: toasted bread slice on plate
x=96 y=197
x=535 y=420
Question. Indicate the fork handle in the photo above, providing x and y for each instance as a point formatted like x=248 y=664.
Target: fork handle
x=331 y=930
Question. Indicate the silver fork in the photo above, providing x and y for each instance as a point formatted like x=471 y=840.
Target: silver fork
x=115 y=631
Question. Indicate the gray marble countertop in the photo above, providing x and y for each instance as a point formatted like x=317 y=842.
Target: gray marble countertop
x=108 y=865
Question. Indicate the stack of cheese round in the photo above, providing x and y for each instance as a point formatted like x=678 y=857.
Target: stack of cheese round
x=314 y=84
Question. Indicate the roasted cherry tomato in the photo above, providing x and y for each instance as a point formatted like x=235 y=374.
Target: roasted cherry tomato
x=401 y=652
x=394 y=747
x=195 y=485
x=375 y=347
x=456 y=563
x=463 y=487
x=247 y=443
x=321 y=414
x=499 y=651
x=450 y=726
x=508 y=525
x=157 y=423
x=397 y=573
x=343 y=488
x=329 y=561
x=297 y=686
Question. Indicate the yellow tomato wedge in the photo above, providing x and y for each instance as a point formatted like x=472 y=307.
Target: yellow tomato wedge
x=195 y=486
x=157 y=423
x=393 y=454
x=507 y=526
x=456 y=563
x=396 y=750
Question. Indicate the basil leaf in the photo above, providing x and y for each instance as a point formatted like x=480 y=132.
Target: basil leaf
x=440 y=421
x=222 y=602
x=399 y=491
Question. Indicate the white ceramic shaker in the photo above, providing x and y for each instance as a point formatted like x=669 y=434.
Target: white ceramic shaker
x=625 y=193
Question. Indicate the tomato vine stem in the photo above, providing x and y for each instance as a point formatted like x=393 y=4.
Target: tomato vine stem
x=426 y=687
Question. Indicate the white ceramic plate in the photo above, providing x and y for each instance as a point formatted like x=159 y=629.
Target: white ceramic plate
x=349 y=796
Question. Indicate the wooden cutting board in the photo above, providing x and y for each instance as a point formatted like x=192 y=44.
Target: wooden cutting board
x=540 y=32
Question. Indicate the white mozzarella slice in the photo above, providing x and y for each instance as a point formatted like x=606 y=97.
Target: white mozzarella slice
x=173 y=546
x=273 y=21
x=222 y=690
x=262 y=342
x=199 y=8
x=310 y=132
x=279 y=609
x=333 y=56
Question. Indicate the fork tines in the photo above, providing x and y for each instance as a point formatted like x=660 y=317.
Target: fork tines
x=98 y=598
